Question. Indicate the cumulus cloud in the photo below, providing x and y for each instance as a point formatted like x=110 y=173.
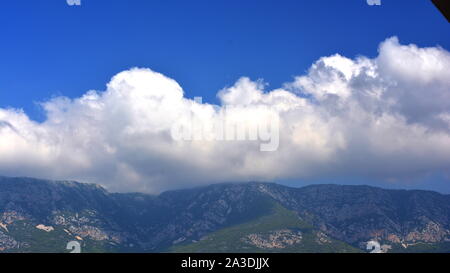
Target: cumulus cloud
x=385 y=118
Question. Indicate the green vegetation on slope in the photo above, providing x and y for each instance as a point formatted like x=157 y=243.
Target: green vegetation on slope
x=232 y=239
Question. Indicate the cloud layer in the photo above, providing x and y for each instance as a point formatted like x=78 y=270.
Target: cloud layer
x=383 y=118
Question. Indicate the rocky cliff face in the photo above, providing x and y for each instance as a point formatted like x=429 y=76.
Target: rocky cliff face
x=39 y=215
x=356 y=214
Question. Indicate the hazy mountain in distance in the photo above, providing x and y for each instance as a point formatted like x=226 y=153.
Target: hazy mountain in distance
x=43 y=216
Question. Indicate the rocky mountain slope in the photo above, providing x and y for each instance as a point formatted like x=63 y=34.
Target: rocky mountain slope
x=42 y=216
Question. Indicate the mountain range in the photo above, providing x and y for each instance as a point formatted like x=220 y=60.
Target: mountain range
x=43 y=216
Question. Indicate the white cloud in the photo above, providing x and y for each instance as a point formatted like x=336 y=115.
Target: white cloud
x=386 y=117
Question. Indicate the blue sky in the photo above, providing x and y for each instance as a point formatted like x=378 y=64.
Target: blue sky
x=49 y=48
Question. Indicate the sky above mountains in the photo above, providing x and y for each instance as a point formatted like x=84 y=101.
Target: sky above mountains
x=362 y=92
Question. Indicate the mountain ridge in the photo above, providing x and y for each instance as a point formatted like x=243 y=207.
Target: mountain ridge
x=95 y=185
x=139 y=222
